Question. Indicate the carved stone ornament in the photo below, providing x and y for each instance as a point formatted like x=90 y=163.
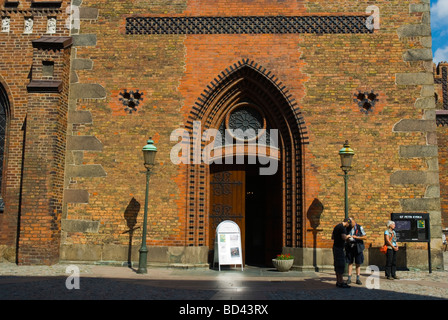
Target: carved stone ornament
x=6 y=24
x=51 y=25
x=29 y=22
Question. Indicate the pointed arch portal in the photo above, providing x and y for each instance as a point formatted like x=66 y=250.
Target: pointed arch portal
x=4 y=109
x=267 y=207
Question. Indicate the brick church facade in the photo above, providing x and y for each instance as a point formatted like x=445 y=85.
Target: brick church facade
x=84 y=84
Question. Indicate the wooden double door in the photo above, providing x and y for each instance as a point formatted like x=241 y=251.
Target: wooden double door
x=239 y=193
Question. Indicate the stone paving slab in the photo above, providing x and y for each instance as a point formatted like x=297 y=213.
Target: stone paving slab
x=123 y=283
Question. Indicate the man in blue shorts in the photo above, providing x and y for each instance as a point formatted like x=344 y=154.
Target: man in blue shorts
x=354 y=249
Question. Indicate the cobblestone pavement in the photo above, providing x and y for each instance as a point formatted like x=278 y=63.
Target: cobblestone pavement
x=256 y=284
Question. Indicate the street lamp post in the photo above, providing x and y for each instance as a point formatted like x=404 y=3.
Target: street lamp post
x=149 y=155
x=346 y=154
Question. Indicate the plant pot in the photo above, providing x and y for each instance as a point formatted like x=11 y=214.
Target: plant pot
x=283 y=265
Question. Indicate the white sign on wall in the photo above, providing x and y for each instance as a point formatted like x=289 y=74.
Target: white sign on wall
x=228 y=244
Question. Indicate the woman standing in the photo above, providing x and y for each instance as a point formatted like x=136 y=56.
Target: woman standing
x=390 y=239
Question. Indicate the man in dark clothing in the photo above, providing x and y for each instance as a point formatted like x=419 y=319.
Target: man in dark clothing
x=339 y=237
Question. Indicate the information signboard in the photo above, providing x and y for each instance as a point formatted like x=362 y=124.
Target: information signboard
x=228 y=244
x=411 y=227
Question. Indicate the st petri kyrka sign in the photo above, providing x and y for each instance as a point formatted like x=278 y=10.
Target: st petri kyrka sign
x=413 y=227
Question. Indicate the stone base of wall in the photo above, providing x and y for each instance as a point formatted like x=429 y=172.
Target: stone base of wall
x=306 y=259
x=124 y=255
x=320 y=259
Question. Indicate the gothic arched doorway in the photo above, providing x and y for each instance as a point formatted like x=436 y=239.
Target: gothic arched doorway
x=239 y=193
x=4 y=108
x=246 y=97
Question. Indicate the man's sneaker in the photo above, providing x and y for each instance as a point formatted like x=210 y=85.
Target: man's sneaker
x=342 y=285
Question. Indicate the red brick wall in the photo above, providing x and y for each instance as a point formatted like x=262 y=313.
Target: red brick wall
x=322 y=72
x=442 y=139
x=37 y=205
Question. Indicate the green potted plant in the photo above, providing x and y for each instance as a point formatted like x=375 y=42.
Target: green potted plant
x=283 y=262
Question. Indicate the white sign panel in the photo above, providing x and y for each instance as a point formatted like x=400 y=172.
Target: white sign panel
x=228 y=244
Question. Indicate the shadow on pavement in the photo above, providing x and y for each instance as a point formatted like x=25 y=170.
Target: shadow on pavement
x=54 y=288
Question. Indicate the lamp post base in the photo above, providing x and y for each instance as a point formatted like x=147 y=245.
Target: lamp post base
x=142 y=261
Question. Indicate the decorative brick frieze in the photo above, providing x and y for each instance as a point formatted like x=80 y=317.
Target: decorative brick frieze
x=247 y=25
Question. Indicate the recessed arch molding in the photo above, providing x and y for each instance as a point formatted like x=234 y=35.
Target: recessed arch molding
x=248 y=81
